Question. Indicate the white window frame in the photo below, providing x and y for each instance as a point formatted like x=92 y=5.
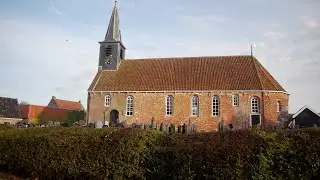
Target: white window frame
x=169 y=105
x=255 y=105
x=250 y=123
x=235 y=100
x=195 y=106
x=215 y=106
x=129 y=106
x=107 y=101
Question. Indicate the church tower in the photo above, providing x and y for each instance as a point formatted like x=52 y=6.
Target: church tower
x=112 y=50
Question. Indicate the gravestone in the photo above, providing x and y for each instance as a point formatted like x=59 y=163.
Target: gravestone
x=161 y=127
x=98 y=125
x=166 y=127
x=169 y=128
x=172 y=128
x=230 y=126
x=133 y=125
x=184 y=128
x=92 y=125
x=194 y=128
x=153 y=121
x=187 y=128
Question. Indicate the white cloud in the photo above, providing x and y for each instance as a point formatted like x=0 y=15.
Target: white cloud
x=202 y=22
x=127 y=4
x=50 y=64
x=311 y=22
x=274 y=35
x=54 y=9
x=206 y=18
x=294 y=61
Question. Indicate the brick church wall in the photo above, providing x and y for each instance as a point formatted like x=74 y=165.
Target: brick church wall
x=148 y=105
x=270 y=106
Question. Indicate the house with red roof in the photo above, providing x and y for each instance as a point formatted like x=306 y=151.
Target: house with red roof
x=56 y=111
x=65 y=104
x=35 y=113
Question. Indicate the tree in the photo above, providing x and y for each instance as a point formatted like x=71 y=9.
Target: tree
x=43 y=119
x=76 y=116
x=283 y=117
x=24 y=103
x=241 y=119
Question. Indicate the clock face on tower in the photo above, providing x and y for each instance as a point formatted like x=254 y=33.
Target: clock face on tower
x=108 y=60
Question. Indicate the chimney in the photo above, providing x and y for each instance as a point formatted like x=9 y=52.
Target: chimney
x=79 y=101
x=53 y=97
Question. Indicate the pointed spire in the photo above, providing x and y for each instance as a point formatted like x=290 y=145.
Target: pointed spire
x=113 y=33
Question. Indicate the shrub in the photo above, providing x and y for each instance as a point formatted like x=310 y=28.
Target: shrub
x=77 y=152
x=88 y=153
x=249 y=154
x=5 y=127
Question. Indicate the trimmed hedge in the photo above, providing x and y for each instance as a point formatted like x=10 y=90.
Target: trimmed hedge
x=87 y=153
x=5 y=127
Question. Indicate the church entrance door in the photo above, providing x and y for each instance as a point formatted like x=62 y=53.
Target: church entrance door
x=114 y=118
x=255 y=120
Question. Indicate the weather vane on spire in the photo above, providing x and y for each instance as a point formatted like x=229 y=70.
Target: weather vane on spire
x=251 y=48
x=115 y=3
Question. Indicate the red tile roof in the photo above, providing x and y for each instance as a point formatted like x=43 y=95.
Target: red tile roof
x=189 y=73
x=70 y=105
x=24 y=109
x=35 y=112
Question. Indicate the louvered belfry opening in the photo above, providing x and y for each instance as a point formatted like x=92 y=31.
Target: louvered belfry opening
x=121 y=54
x=108 y=50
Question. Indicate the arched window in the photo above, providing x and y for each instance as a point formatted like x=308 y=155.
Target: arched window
x=279 y=106
x=129 y=106
x=215 y=106
x=235 y=100
x=108 y=50
x=169 y=104
x=107 y=101
x=195 y=106
x=255 y=105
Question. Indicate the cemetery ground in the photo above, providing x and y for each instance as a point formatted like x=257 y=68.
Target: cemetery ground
x=131 y=153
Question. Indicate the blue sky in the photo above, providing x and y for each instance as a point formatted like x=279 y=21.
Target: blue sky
x=37 y=62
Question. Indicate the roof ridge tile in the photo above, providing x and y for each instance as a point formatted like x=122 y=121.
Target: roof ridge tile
x=184 y=57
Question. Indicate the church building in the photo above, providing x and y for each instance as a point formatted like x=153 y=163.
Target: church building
x=178 y=90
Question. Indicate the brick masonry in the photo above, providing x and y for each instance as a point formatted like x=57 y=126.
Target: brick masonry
x=148 y=105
